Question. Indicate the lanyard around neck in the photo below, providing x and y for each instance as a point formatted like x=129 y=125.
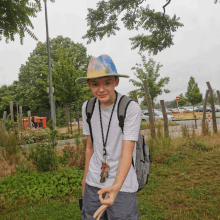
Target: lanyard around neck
x=106 y=138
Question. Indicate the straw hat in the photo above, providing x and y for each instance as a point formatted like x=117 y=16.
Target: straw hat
x=100 y=67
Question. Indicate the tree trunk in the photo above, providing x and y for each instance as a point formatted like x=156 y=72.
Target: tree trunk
x=149 y=105
x=166 y=128
x=213 y=108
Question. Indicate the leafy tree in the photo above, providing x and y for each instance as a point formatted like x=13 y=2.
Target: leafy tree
x=7 y=94
x=182 y=100
x=193 y=94
x=69 y=60
x=215 y=96
x=171 y=104
x=136 y=15
x=15 y=18
x=149 y=71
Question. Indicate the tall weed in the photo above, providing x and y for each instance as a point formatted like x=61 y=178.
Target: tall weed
x=8 y=143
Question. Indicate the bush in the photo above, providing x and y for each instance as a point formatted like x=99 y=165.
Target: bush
x=44 y=157
x=74 y=155
x=35 y=136
x=9 y=143
x=36 y=185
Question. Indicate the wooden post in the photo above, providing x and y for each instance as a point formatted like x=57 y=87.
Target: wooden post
x=204 y=111
x=67 y=117
x=71 y=126
x=29 y=119
x=20 y=118
x=135 y=96
x=3 y=121
x=218 y=94
x=166 y=128
x=150 y=109
x=12 y=114
x=213 y=108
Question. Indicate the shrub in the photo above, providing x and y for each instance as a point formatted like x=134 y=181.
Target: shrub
x=36 y=185
x=9 y=143
x=35 y=136
x=44 y=157
x=74 y=155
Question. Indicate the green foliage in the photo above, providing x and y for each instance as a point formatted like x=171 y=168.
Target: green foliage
x=60 y=117
x=36 y=185
x=135 y=16
x=47 y=210
x=182 y=100
x=215 y=97
x=35 y=136
x=9 y=142
x=149 y=71
x=74 y=155
x=193 y=94
x=15 y=18
x=69 y=60
x=43 y=156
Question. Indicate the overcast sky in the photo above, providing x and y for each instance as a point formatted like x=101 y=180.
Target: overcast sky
x=196 y=49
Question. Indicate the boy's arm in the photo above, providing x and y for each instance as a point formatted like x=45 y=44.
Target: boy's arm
x=89 y=153
x=124 y=163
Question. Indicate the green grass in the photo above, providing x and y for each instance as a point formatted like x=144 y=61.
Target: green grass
x=184 y=183
x=51 y=210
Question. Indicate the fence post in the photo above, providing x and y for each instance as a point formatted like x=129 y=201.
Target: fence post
x=166 y=128
x=3 y=121
x=20 y=118
x=204 y=111
x=150 y=111
x=135 y=96
x=67 y=116
x=29 y=119
x=213 y=108
x=12 y=114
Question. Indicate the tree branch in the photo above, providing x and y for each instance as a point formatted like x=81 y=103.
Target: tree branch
x=166 y=6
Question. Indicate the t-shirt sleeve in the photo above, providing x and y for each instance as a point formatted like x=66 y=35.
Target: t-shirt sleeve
x=132 y=122
x=85 y=124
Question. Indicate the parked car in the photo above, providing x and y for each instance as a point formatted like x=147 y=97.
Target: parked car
x=182 y=109
x=174 y=111
x=189 y=109
x=217 y=108
x=157 y=115
x=200 y=109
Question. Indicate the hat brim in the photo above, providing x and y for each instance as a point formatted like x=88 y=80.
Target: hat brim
x=83 y=80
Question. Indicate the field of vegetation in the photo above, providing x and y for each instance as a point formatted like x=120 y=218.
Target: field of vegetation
x=190 y=115
x=45 y=182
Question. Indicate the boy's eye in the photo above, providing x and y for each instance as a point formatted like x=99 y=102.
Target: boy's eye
x=94 y=84
x=107 y=83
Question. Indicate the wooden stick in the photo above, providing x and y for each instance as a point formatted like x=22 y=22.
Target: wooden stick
x=166 y=128
x=150 y=110
x=213 y=108
x=12 y=114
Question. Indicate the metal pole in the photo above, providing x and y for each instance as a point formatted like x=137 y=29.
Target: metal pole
x=52 y=107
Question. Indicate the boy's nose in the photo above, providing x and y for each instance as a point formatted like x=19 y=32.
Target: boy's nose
x=101 y=88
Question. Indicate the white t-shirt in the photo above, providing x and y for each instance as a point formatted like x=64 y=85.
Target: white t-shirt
x=114 y=143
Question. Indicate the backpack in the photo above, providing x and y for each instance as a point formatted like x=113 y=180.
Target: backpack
x=142 y=162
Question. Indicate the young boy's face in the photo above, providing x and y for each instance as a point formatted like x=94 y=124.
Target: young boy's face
x=103 y=89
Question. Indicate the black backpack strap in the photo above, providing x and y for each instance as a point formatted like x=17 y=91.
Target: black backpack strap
x=89 y=111
x=122 y=108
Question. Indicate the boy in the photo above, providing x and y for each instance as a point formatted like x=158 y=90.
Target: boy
x=108 y=170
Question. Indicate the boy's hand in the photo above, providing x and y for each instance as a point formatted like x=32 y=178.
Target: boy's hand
x=111 y=193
